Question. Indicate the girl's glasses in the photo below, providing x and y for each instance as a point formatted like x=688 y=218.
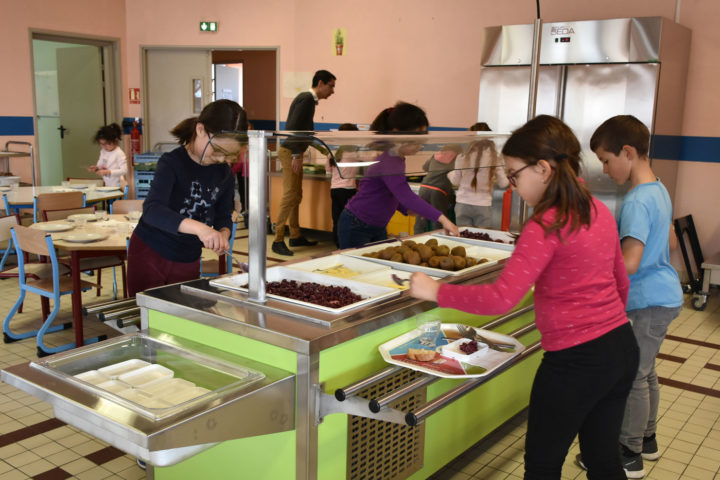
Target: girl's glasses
x=512 y=178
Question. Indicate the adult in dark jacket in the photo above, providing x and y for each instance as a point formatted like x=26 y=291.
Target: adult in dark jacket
x=190 y=203
x=300 y=118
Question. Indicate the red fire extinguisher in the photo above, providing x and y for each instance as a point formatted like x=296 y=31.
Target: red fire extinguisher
x=506 y=210
x=135 y=140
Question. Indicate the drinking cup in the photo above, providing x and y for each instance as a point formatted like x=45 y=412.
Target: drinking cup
x=429 y=326
x=101 y=214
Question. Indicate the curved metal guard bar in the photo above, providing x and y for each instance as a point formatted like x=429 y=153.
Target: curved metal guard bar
x=414 y=418
x=376 y=404
x=113 y=314
x=112 y=304
x=343 y=393
x=127 y=321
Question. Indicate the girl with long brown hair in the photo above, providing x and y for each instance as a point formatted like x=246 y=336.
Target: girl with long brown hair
x=569 y=249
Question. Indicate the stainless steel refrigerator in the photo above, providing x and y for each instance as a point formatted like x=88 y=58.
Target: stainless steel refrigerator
x=590 y=71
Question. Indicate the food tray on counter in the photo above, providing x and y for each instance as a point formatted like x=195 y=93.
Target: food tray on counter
x=148 y=376
x=370 y=293
x=492 y=254
x=508 y=240
x=341 y=266
x=449 y=361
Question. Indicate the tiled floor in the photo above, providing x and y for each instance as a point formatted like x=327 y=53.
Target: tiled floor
x=35 y=445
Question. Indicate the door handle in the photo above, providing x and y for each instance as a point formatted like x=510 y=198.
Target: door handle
x=62 y=131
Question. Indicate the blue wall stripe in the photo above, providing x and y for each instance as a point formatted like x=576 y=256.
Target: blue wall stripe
x=691 y=149
x=16 y=126
x=664 y=147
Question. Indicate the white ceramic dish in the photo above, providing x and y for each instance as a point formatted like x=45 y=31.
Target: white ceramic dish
x=5 y=188
x=53 y=227
x=9 y=180
x=146 y=375
x=116 y=369
x=77 y=186
x=370 y=293
x=506 y=238
x=93 y=377
x=452 y=350
x=84 y=237
x=106 y=189
x=341 y=266
x=89 y=217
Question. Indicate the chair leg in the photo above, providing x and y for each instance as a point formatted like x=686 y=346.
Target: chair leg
x=9 y=336
x=99 y=281
x=44 y=307
x=124 y=279
x=42 y=349
x=115 y=289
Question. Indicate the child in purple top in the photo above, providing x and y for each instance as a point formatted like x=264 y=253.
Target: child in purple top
x=384 y=188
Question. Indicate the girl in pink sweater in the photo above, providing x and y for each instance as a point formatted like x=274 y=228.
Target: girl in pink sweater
x=569 y=249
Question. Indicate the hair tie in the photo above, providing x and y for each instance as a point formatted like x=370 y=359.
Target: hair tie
x=560 y=157
x=389 y=110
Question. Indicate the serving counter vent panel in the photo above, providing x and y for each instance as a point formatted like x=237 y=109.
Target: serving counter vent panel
x=385 y=450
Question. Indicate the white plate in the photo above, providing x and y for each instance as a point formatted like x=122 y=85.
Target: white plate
x=89 y=217
x=84 y=237
x=5 y=188
x=77 y=186
x=106 y=189
x=53 y=227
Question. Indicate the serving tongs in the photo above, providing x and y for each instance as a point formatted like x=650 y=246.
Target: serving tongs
x=471 y=333
x=243 y=266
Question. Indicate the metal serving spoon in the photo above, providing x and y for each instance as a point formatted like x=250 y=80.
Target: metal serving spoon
x=398 y=280
x=243 y=266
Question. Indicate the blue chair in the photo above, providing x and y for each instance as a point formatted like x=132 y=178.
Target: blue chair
x=211 y=268
x=52 y=284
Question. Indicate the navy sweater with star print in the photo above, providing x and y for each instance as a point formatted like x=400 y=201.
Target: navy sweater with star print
x=181 y=189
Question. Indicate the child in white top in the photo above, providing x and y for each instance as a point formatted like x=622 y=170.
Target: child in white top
x=342 y=184
x=112 y=164
x=477 y=172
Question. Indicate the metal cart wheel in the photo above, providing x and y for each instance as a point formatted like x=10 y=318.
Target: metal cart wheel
x=699 y=302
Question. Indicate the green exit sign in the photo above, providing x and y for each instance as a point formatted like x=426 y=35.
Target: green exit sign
x=208 y=26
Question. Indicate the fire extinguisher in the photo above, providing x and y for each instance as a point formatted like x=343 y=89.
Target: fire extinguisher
x=135 y=140
x=506 y=210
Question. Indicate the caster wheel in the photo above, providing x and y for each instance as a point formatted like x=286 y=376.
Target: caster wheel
x=699 y=302
x=687 y=288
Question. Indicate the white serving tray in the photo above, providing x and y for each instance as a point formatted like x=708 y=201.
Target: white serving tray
x=321 y=265
x=370 y=293
x=492 y=254
x=498 y=234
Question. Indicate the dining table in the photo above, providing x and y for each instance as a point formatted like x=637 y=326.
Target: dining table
x=84 y=236
x=23 y=197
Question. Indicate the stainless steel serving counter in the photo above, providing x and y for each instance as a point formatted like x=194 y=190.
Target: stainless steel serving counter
x=293 y=327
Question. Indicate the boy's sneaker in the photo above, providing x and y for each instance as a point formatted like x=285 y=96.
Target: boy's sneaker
x=650 y=448
x=632 y=462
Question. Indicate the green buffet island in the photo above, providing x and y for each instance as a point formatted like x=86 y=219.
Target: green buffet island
x=314 y=398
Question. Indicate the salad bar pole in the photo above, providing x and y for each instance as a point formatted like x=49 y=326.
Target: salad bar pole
x=415 y=418
x=256 y=216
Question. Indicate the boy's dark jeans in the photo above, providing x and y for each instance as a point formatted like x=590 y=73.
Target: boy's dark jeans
x=581 y=390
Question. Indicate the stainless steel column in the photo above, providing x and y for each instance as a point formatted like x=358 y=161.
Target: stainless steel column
x=306 y=417
x=257 y=200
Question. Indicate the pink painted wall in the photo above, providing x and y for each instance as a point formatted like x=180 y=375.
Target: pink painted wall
x=421 y=51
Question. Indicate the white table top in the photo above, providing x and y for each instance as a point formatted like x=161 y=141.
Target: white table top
x=25 y=195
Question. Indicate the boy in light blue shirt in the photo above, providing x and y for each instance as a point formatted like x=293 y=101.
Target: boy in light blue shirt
x=655 y=299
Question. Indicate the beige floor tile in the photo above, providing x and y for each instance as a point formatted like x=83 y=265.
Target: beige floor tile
x=119 y=464
x=696 y=473
x=5 y=467
x=63 y=457
x=132 y=473
x=15 y=475
x=96 y=473
x=22 y=459
x=78 y=466
x=11 y=450
x=36 y=467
